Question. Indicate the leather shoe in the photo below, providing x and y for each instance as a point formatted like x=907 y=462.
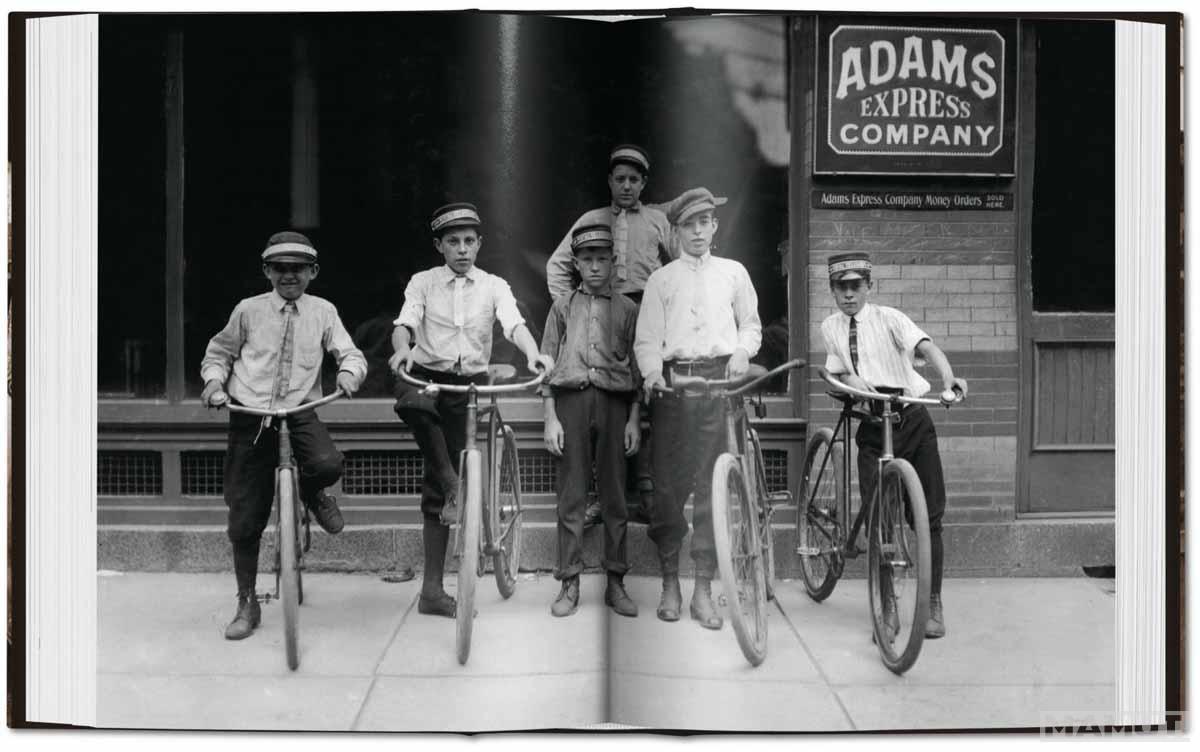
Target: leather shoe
x=247 y=619
x=617 y=599
x=936 y=626
x=449 y=513
x=702 y=607
x=891 y=620
x=442 y=604
x=567 y=601
x=672 y=600
x=324 y=507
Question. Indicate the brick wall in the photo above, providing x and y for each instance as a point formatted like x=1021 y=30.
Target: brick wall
x=954 y=274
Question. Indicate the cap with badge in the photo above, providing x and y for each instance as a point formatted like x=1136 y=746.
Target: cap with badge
x=591 y=236
x=849 y=266
x=629 y=154
x=693 y=201
x=454 y=215
x=289 y=247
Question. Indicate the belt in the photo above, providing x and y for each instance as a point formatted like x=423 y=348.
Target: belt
x=695 y=366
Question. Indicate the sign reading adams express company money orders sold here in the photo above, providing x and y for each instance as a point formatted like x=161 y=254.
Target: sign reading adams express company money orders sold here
x=915 y=99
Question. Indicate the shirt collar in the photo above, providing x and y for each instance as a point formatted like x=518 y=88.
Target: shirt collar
x=637 y=207
x=695 y=262
x=278 y=301
x=449 y=274
x=863 y=314
x=606 y=293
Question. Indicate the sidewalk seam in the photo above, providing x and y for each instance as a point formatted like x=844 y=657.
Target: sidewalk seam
x=816 y=664
x=375 y=671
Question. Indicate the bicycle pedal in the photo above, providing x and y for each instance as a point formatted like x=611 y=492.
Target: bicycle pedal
x=808 y=551
x=780 y=497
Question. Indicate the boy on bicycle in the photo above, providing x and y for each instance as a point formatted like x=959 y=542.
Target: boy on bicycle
x=875 y=348
x=699 y=317
x=269 y=356
x=592 y=416
x=445 y=330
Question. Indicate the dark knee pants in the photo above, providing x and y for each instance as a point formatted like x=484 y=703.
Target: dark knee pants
x=593 y=423
x=437 y=426
x=250 y=469
x=689 y=436
x=913 y=439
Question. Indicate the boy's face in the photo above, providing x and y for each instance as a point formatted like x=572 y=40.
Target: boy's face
x=626 y=184
x=851 y=294
x=459 y=248
x=595 y=267
x=290 y=278
x=697 y=233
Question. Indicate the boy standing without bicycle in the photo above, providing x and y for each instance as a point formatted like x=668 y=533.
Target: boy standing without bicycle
x=592 y=416
x=699 y=317
x=445 y=329
x=875 y=348
x=269 y=356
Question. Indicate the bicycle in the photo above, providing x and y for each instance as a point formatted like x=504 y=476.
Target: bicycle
x=898 y=541
x=290 y=516
x=501 y=507
x=741 y=505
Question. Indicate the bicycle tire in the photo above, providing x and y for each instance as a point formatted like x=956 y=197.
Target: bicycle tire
x=739 y=557
x=470 y=503
x=903 y=547
x=504 y=509
x=754 y=454
x=289 y=571
x=820 y=500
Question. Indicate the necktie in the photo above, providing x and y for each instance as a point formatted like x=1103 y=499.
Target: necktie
x=460 y=316
x=854 y=344
x=621 y=244
x=284 y=377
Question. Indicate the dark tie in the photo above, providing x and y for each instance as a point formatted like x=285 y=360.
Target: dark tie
x=854 y=344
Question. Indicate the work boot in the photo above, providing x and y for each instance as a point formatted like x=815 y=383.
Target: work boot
x=936 y=626
x=434 y=600
x=324 y=507
x=247 y=619
x=616 y=598
x=891 y=619
x=672 y=599
x=567 y=601
x=702 y=607
x=449 y=513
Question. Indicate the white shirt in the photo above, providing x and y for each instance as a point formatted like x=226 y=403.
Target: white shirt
x=451 y=317
x=887 y=348
x=696 y=307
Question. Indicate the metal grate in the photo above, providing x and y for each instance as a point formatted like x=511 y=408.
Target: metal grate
x=202 y=473
x=775 y=469
x=538 y=471
x=129 y=473
x=383 y=473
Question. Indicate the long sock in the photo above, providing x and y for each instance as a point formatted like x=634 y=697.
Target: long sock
x=435 y=537
x=935 y=560
x=245 y=565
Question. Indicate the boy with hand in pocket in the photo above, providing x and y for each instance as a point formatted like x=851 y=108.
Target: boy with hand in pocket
x=269 y=356
x=592 y=415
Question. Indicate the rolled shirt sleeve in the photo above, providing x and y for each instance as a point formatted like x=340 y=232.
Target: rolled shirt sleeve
x=224 y=348
x=339 y=344
x=507 y=312
x=906 y=334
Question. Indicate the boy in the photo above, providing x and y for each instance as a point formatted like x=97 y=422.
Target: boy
x=699 y=317
x=875 y=348
x=269 y=356
x=592 y=416
x=445 y=329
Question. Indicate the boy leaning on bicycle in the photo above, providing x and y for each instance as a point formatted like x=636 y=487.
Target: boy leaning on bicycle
x=873 y=347
x=269 y=356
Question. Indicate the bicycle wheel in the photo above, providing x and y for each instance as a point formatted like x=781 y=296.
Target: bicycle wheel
x=504 y=507
x=289 y=571
x=898 y=565
x=819 y=504
x=739 y=557
x=754 y=456
x=470 y=501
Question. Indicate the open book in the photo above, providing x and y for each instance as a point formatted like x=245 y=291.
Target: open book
x=1012 y=181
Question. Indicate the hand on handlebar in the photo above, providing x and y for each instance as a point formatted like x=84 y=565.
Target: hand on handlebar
x=401 y=360
x=738 y=364
x=542 y=362
x=346 y=383
x=652 y=385
x=214 y=394
x=956 y=393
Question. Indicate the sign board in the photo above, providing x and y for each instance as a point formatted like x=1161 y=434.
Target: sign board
x=913 y=200
x=915 y=100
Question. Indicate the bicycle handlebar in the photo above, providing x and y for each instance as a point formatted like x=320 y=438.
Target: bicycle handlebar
x=433 y=386
x=742 y=384
x=863 y=394
x=282 y=412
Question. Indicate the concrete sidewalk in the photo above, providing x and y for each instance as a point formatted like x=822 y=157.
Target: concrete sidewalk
x=1016 y=649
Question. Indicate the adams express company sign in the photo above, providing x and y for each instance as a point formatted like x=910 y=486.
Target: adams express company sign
x=915 y=100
